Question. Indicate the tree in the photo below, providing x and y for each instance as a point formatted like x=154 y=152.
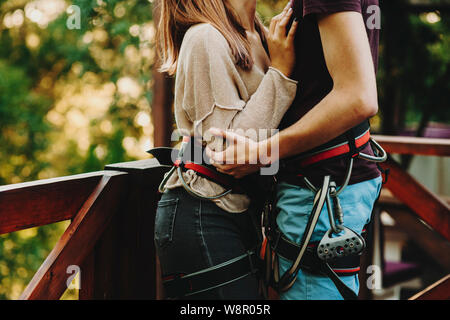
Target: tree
x=71 y=100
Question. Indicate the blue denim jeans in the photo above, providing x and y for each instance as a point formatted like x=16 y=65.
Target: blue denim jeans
x=295 y=204
x=192 y=235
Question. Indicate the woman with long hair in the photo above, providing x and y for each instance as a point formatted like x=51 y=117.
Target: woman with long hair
x=231 y=73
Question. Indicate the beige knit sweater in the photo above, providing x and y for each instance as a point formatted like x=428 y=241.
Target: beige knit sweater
x=212 y=91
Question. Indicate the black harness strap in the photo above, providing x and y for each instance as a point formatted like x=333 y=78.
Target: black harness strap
x=344 y=266
x=351 y=138
x=345 y=291
x=310 y=263
x=178 y=286
x=192 y=156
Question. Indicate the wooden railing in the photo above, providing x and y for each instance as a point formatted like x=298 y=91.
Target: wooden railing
x=110 y=237
x=420 y=213
x=426 y=205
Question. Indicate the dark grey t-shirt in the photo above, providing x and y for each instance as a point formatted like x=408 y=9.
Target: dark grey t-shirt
x=315 y=81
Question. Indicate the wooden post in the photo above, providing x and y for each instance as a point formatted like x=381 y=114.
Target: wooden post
x=367 y=258
x=87 y=278
x=76 y=245
x=133 y=253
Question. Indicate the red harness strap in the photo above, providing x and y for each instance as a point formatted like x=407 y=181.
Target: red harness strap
x=329 y=153
x=336 y=151
x=206 y=172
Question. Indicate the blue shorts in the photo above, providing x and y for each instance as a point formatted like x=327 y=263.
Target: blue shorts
x=295 y=204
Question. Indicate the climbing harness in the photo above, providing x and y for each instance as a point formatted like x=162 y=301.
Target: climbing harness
x=191 y=156
x=338 y=251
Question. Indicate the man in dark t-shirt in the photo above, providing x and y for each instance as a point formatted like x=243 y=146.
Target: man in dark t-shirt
x=315 y=81
x=337 y=54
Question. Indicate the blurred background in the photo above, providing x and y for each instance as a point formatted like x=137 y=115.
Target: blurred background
x=75 y=99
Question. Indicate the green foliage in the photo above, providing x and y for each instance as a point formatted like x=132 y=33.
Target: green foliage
x=23 y=131
x=21 y=254
x=414 y=75
x=68 y=103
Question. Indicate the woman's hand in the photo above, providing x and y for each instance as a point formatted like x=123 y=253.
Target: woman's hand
x=281 y=41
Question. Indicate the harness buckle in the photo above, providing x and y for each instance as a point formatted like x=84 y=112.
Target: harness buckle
x=356 y=155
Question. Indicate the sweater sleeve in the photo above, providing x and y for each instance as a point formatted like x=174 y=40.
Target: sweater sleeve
x=211 y=91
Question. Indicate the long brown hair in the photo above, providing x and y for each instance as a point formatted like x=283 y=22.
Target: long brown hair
x=177 y=16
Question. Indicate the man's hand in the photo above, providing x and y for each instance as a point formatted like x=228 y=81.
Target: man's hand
x=239 y=159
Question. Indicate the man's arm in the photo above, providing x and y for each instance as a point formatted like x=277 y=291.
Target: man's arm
x=353 y=98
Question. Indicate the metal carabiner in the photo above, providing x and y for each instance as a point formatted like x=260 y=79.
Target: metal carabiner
x=331 y=216
x=162 y=185
x=288 y=278
x=382 y=157
x=348 y=175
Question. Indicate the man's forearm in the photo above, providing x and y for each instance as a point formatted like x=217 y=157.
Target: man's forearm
x=354 y=95
x=338 y=112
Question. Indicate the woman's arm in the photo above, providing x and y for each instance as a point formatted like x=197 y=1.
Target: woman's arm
x=210 y=88
x=352 y=99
